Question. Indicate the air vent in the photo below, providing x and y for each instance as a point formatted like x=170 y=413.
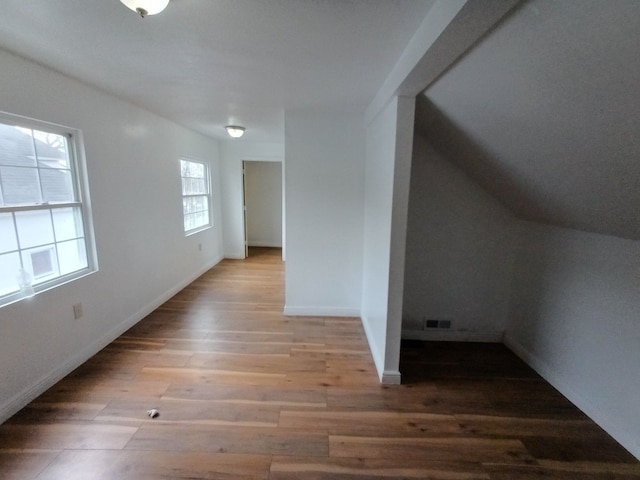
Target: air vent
x=433 y=323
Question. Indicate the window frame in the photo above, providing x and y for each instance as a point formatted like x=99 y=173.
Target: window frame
x=207 y=174
x=77 y=168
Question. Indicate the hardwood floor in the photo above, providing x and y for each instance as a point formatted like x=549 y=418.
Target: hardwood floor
x=247 y=393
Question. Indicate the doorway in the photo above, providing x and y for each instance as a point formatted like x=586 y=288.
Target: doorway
x=263 y=205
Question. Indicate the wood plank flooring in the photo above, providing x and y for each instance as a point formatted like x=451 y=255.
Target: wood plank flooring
x=247 y=393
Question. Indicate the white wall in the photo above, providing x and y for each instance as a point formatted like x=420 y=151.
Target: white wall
x=324 y=181
x=459 y=253
x=263 y=184
x=234 y=152
x=389 y=140
x=144 y=257
x=575 y=317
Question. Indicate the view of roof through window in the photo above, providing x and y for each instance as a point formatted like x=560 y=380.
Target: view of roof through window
x=34 y=167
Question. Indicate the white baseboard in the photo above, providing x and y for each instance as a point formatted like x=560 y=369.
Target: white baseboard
x=390 y=377
x=21 y=399
x=378 y=358
x=452 y=336
x=320 y=312
x=610 y=425
x=260 y=243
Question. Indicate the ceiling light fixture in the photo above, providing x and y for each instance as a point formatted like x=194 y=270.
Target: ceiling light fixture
x=146 y=7
x=235 y=131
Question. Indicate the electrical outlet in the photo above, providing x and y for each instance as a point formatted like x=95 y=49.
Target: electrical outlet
x=77 y=311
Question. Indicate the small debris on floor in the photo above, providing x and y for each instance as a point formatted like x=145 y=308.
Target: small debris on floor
x=153 y=413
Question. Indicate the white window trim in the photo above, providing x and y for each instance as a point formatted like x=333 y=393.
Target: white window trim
x=77 y=165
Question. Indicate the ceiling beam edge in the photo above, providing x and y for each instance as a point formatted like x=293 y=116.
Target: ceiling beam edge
x=446 y=33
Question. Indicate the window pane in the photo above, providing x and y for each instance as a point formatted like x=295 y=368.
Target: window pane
x=16 y=146
x=40 y=263
x=192 y=169
x=34 y=228
x=200 y=186
x=187 y=205
x=20 y=185
x=184 y=168
x=197 y=170
x=188 y=223
x=72 y=256
x=51 y=149
x=195 y=204
x=202 y=218
x=7 y=233
x=57 y=185
x=202 y=204
x=196 y=220
x=9 y=266
x=194 y=186
x=67 y=223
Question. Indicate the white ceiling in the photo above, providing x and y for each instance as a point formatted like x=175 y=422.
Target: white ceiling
x=545 y=114
x=209 y=63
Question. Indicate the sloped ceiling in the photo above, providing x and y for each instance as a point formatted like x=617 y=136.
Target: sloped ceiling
x=545 y=114
x=209 y=63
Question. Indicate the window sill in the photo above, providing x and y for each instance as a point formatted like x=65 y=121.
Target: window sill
x=14 y=298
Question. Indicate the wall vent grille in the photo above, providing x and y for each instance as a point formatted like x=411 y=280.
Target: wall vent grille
x=432 y=323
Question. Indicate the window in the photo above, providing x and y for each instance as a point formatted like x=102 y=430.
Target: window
x=43 y=238
x=196 y=200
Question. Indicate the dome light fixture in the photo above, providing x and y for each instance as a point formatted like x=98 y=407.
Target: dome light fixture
x=235 y=131
x=146 y=7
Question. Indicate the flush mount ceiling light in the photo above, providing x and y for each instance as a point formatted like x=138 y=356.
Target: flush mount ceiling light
x=235 y=131
x=146 y=7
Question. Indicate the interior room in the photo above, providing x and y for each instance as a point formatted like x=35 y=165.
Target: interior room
x=446 y=171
